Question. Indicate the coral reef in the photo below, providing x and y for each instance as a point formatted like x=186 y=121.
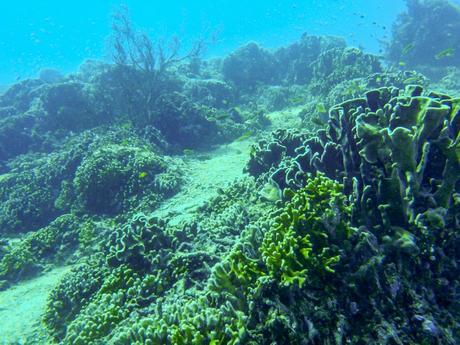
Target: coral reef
x=248 y=66
x=71 y=295
x=182 y=122
x=343 y=228
x=29 y=255
x=427 y=34
x=294 y=60
x=93 y=172
x=110 y=176
x=338 y=65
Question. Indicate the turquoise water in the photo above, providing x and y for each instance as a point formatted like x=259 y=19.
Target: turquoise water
x=59 y=34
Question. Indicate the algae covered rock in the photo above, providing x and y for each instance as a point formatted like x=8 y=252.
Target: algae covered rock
x=71 y=106
x=211 y=92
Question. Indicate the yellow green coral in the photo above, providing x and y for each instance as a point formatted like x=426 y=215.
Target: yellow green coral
x=301 y=242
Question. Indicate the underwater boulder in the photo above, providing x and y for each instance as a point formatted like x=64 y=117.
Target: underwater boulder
x=50 y=76
x=341 y=64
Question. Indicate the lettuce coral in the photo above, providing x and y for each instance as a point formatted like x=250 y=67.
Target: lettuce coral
x=302 y=244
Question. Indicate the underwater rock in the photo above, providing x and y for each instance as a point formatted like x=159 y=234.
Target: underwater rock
x=183 y=123
x=71 y=106
x=21 y=95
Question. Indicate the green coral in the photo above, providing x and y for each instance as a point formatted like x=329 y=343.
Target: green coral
x=45 y=245
x=300 y=245
x=142 y=243
x=147 y=273
x=108 y=307
x=71 y=295
x=112 y=174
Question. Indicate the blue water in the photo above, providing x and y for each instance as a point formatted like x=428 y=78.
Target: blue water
x=62 y=34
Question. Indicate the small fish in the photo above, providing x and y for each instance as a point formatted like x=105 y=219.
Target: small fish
x=402 y=63
x=321 y=108
x=353 y=88
x=296 y=100
x=318 y=121
x=449 y=52
x=221 y=116
x=188 y=152
x=408 y=48
x=245 y=136
x=237 y=109
x=143 y=174
x=270 y=192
